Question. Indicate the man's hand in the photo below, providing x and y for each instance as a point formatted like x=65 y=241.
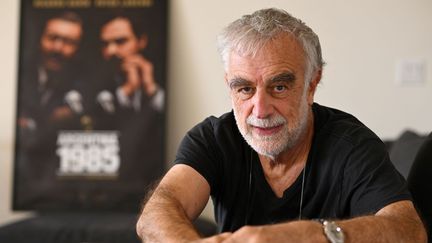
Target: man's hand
x=215 y=239
x=27 y=123
x=396 y=222
x=139 y=74
x=296 y=231
x=60 y=114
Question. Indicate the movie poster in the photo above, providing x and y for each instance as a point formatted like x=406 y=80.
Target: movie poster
x=90 y=121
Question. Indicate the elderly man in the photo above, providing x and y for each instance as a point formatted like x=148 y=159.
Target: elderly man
x=280 y=168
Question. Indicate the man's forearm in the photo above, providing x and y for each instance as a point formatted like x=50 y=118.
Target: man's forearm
x=164 y=220
x=363 y=229
x=397 y=222
x=383 y=229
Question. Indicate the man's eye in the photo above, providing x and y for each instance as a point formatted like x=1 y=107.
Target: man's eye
x=244 y=93
x=279 y=88
x=279 y=91
x=121 y=41
x=245 y=90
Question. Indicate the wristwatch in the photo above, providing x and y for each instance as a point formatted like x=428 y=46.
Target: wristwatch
x=333 y=232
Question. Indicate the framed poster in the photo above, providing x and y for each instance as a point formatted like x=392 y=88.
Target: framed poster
x=90 y=120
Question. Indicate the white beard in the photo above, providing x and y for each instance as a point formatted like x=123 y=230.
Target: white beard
x=272 y=145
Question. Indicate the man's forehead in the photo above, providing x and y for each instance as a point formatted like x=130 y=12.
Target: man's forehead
x=268 y=66
x=282 y=54
x=63 y=27
x=253 y=47
x=117 y=28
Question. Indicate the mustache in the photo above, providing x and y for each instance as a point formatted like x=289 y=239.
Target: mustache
x=272 y=121
x=56 y=56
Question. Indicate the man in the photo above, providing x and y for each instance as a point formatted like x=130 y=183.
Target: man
x=135 y=85
x=49 y=96
x=280 y=164
x=130 y=102
x=50 y=100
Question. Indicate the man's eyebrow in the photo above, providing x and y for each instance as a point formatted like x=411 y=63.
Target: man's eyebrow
x=117 y=41
x=286 y=77
x=237 y=82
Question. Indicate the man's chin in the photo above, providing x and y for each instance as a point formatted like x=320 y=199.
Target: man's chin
x=53 y=66
x=266 y=146
x=267 y=153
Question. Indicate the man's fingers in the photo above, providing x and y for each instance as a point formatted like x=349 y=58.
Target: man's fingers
x=215 y=239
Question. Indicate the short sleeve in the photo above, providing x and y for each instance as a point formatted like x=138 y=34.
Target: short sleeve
x=199 y=150
x=370 y=180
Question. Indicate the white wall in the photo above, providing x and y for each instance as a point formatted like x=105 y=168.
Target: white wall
x=9 y=22
x=361 y=42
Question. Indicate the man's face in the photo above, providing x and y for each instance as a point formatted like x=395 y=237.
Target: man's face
x=270 y=102
x=118 y=39
x=59 y=43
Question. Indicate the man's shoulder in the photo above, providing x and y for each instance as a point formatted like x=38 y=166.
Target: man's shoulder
x=331 y=123
x=225 y=122
x=220 y=130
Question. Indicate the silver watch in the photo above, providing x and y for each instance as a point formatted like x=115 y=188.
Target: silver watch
x=333 y=232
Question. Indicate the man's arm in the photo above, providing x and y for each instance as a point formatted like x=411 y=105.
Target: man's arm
x=178 y=199
x=397 y=222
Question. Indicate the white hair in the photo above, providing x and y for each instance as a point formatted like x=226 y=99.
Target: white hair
x=250 y=33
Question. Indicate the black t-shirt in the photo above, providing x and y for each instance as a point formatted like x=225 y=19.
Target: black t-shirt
x=348 y=172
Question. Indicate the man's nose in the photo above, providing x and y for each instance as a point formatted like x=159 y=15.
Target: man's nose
x=111 y=50
x=58 y=45
x=262 y=104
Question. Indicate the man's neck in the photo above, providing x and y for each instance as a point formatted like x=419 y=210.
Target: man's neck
x=283 y=170
x=42 y=77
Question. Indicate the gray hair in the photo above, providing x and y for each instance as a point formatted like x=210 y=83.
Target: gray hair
x=250 y=33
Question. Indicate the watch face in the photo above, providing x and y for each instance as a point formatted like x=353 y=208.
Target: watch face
x=333 y=232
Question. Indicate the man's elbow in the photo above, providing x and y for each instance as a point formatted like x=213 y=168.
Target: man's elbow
x=418 y=231
x=421 y=235
x=140 y=227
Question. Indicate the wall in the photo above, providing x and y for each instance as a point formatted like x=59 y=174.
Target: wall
x=361 y=42
x=9 y=11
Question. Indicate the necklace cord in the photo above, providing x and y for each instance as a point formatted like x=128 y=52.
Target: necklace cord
x=302 y=192
x=249 y=197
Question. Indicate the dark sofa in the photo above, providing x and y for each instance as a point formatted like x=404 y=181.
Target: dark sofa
x=403 y=150
x=82 y=227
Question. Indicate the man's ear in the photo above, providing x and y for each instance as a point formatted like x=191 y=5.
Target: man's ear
x=142 y=41
x=313 y=85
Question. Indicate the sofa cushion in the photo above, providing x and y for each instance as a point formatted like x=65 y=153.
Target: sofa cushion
x=404 y=150
x=83 y=227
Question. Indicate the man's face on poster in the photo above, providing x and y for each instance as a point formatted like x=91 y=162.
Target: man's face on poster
x=59 y=43
x=119 y=40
